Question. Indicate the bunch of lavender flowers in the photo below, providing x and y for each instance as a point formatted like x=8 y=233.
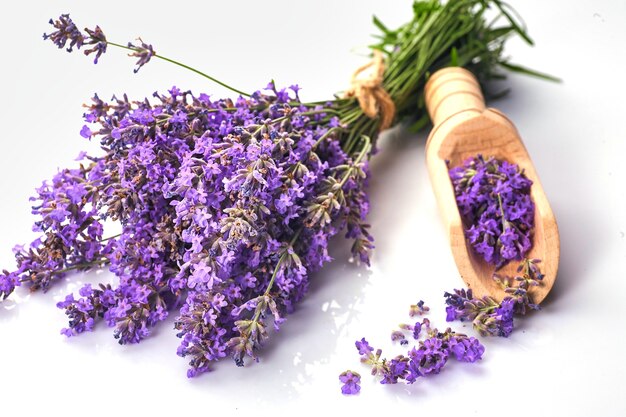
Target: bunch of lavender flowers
x=226 y=206
x=490 y=317
x=493 y=197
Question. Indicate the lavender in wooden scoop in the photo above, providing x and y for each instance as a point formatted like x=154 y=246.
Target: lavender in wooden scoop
x=499 y=214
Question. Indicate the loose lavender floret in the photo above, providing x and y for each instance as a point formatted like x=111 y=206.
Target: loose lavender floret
x=363 y=347
x=431 y=356
x=418 y=309
x=415 y=329
x=351 y=382
x=492 y=318
x=493 y=197
x=398 y=336
x=467 y=349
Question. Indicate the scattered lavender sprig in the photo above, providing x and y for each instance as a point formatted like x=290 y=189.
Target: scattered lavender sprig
x=428 y=357
x=493 y=197
x=492 y=318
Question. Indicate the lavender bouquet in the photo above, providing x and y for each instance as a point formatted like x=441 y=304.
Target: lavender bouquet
x=225 y=207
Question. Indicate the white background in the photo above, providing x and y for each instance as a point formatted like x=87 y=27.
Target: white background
x=567 y=360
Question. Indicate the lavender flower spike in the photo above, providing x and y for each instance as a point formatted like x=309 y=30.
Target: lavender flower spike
x=66 y=32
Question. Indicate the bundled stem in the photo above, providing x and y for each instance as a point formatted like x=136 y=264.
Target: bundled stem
x=455 y=33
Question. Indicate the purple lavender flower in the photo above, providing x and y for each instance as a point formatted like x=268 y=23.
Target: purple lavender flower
x=144 y=52
x=97 y=41
x=494 y=201
x=8 y=282
x=66 y=32
x=85 y=132
x=451 y=313
x=504 y=317
x=363 y=347
x=417 y=329
x=351 y=382
x=397 y=369
x=430 y=357
x=71 y=233
x=466 y=349
x=413 y=371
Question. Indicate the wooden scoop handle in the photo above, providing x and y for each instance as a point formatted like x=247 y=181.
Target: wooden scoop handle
x=450 y=91
x=463 y=128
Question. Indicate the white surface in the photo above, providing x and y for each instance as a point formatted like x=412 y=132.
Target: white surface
x=567 y=360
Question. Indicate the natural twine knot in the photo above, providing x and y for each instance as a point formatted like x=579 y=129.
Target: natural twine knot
x=370 y=93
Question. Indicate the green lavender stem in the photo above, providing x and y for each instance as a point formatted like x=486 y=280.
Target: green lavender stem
x=180 y=64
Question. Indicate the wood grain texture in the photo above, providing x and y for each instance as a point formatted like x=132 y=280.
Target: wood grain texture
x=463 y=128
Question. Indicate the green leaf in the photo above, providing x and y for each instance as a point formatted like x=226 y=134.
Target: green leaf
x=520 y=31
x=454 y=57
x=527 y=71
x=380 y=25
x=499 y=32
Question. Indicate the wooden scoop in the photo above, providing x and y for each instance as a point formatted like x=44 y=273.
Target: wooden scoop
x=463 y=128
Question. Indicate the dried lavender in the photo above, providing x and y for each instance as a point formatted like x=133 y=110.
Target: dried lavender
x=428 y=357
x=351 y=382
x=494 y=200
x=492 y=318
x=493 y=197
x=418 y=309
x=226 y=206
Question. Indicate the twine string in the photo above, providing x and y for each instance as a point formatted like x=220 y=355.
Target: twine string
x=369 y=91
